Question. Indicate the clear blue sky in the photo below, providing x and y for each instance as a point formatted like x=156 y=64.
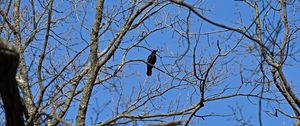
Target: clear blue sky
x=221 y=11
x=168 y=43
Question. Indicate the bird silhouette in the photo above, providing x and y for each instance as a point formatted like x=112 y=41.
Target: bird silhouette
x=151 y=60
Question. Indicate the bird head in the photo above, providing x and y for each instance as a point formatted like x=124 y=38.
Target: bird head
x=154 y=51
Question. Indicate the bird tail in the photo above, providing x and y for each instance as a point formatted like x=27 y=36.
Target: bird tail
x=149 y=70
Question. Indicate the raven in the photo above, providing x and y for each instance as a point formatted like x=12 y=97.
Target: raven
x=151 y=60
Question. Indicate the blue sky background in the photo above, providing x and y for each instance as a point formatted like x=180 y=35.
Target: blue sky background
x=105 y=98
x=220 y=11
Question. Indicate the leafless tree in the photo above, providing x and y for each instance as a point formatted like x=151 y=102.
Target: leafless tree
x=83 y=62
x=272 y=34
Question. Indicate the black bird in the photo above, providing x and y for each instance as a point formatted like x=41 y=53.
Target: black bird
x=151 y=60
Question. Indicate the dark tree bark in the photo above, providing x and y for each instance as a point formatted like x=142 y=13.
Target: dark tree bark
x=14 y=109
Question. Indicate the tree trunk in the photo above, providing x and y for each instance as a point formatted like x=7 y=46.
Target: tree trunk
x=14 y=109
